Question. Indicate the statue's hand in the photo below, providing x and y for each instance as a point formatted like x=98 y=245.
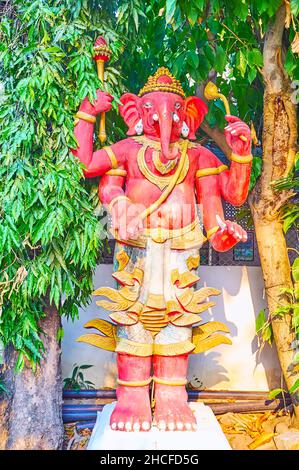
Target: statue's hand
x=126 y=219
x=233 y=131
x=231 y=228
x=101 y=104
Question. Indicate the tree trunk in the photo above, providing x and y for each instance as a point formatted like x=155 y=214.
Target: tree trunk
x=31 y=413
x=279 y=145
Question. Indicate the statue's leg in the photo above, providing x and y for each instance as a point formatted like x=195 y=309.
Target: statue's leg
x=171 y=350
x=134 y=362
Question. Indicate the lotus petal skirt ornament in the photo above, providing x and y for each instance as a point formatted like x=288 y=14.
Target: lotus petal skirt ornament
x=156 y=303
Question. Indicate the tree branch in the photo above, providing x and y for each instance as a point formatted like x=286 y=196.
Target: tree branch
x=273 y=70
x=218 y=137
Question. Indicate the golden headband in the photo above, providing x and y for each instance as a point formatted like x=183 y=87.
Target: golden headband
x=170 y=85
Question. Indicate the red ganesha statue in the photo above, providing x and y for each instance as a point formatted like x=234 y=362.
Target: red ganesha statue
x=152 y=183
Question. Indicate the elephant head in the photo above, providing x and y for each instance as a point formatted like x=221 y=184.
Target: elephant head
x=163 y=110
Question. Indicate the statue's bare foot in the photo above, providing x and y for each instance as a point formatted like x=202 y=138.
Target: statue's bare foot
x=172 y=412
x=132 y=411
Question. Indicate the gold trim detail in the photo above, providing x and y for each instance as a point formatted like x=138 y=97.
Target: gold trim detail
x=116 y=172
x=160 y=234
x=86 y=117
x=123 y=278
x=133 y=348
x=123 y=258
x=211 y=231
x=193 y=302
x=211 y=171
x=156 y=144
x=156 y=301
x=239 y=159
x=134 y=383
x=181 y=239
x=204 y=339
x=107 y=342
x=161 y=181
x=183 y=280
x=113 y=201
x=171 y=382
x=187 y=319
x=121 y=318
x=163 y=168
x=112 y=157
x=153 y=83
x=193 y=262
x=173 y=349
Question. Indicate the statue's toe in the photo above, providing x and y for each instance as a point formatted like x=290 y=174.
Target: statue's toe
x=136 y=426
x=145 y=426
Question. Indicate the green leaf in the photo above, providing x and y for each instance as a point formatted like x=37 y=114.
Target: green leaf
x=295 y=269
x=267 y=334
x=220 y=59
x=260 y=321
x=170 y=9
x=295 y=7
x=251 y=75
x=136 y=21
x=275 y=392
x=295 y=359
x=241 y=63
x=255 y=57
x=295 y=387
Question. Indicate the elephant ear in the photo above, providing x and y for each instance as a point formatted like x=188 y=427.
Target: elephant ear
x=195 y=111
x=129 y=111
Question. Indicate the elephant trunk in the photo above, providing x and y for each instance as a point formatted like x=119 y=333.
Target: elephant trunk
x=166 y=122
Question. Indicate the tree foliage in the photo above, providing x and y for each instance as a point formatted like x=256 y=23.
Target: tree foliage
x=49 y=235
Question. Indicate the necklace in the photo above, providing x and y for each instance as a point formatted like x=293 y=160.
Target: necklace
x=161 y=181
x=161 y=167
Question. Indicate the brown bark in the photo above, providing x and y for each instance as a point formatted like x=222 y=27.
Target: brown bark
x=279 y=144
x=30 y=414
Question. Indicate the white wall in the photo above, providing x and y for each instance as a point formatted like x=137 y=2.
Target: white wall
x=237 y=367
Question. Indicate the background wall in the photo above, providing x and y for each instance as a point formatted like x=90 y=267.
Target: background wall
x=241 y=366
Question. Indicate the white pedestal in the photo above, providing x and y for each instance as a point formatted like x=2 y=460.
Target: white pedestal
x=209 y=435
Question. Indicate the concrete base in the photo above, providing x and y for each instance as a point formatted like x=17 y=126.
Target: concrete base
x=209 y=435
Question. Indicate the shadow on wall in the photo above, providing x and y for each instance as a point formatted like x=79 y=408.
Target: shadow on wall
x=210 y=369
x=238 y=366
x=267 y=355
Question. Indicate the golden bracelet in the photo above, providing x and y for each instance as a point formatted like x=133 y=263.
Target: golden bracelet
x=86 y=117
x=212 y=231
x=211 y=171
x=239 y=159
x=113 y=201
x=112 y=157
x=136 y=383
x=116 y=172
x=173 y=383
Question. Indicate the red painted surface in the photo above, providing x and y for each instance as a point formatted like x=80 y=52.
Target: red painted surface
x=133 y=403
x=157 y=110
x=231 y=185
x=172 y=410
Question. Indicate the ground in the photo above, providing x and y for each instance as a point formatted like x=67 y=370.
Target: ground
x=250 y=431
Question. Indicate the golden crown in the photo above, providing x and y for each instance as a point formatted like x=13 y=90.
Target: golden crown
x=162 y=80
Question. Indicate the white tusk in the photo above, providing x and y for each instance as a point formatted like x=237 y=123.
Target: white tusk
x=155 y=117
x=220 y=222
x=175 y=117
